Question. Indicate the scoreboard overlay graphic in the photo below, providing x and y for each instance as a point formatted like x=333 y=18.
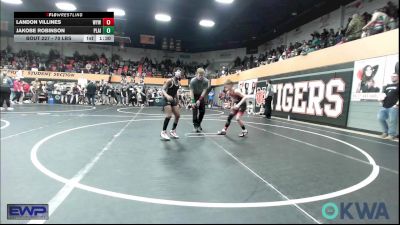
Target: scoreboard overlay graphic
x=63 y=27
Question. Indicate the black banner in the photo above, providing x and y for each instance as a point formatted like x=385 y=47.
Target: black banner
x=322 y=98
x=47 y=15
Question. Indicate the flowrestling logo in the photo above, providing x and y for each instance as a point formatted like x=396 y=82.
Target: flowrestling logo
x=355 y=210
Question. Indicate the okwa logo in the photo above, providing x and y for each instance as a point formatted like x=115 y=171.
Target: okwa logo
x=355 y=210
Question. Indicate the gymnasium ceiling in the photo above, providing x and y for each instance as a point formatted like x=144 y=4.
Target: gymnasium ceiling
x=244 y=23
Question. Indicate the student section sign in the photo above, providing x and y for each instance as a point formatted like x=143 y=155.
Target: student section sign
x=51 y=75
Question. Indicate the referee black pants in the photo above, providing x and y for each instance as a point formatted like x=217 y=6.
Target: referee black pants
x=198 y=112
x=5 y=93
x=268 y=107
x=17 y=96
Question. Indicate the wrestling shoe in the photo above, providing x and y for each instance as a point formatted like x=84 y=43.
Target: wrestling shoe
x=222 y=132
x=194 y=129
x=244 y=133
x=173 y=134
x=164 y=136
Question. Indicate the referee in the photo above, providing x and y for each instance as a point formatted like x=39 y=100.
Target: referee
x=198 y=89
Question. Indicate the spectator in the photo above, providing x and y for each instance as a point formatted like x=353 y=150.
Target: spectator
x=316 y=41
x=211 y=98
x=43 y=91
x=18 y=90
x=304 y=48
x=63 y=90
x=378 y=22
x=389 y=113
x=124 y=93
x=50 y=89
x=332 y=33
x=354 y=30
x=5 y=91
x=324 y=38
x=117 y=95
x=35 y=90
x=366 y=17
x=91 y=92
x=26 y=92
x=339 y=36
x=75 y=94
x=392 y=24
x=393 y=13
x=111 y=94
x=392 y=10
x=104 y=93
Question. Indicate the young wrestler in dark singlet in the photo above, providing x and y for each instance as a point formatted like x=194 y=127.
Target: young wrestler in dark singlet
x=171 y=105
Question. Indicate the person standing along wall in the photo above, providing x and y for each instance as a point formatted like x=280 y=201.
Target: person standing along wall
x=388 y=115
x=75 y=94
x=35 y=90
x=355 y=27
x=268 y=101
x=26 y=92
x=17 y=90
x=5 y=91
x=91 y=92
x=50 y=88
x=211 y=98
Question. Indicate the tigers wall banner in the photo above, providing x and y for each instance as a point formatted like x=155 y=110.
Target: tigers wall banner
x=322 y=98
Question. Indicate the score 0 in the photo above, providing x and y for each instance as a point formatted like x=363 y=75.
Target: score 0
x=108 y=21
x=108 y=25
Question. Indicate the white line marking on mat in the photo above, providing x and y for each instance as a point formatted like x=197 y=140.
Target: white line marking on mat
x=63 y=121
x=30 y=112
x=161 y=114
x=28 y=131
x=14 y=135
x=347 y=135
x=58 y=199
x=263 y=180
x=323 y=148
x=203 y=136
x=6 y=124
x=363 y=183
